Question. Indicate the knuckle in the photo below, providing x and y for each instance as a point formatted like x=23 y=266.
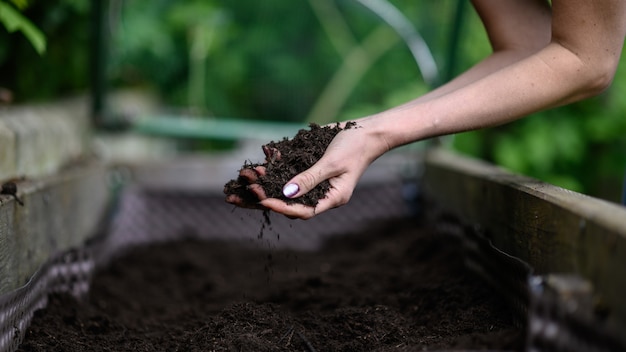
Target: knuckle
x=308 y=179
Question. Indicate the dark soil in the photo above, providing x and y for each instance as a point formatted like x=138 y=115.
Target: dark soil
x=399 y=287
x=287 y=158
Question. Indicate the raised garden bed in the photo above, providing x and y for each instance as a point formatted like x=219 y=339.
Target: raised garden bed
x=400 y=285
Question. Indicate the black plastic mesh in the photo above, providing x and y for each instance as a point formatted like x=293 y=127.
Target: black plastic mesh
x=68 y=273
x=147 y=216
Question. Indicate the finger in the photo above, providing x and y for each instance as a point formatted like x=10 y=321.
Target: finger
x=258 y=191
x=305 y=181
x=248 y=174
x=252 y=174
x=293 y=211
x=238 y=201
x=233 y=199
x=297 y=210
x=271 y=154
x=260 y=170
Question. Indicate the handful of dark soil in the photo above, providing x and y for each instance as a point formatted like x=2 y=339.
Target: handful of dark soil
x=285 y=159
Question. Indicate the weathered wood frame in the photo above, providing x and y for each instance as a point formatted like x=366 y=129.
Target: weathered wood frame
x=552 y=229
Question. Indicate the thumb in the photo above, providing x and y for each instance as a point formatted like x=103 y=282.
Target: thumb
x=303 y=182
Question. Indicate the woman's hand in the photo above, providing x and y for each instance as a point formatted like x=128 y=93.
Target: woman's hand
x=343 y=163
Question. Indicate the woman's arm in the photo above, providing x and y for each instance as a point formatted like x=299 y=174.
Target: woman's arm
x=578 y=62
x=516 y=29
x=534 y=67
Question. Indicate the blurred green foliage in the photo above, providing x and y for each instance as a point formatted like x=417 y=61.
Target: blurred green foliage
x=14 y=21
x=63 y=68
x=244 y=59
x=276 y=60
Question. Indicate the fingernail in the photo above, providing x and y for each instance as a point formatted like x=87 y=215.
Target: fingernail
x=291 y=190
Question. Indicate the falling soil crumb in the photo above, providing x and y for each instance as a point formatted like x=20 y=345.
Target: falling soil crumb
x=400 y=286
x=287 y=158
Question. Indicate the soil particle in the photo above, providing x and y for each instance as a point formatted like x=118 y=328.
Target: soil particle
x=400 y=286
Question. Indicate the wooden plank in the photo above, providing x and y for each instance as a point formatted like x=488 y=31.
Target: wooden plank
x=552 y=229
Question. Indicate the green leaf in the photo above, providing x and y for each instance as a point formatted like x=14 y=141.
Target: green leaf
x=14 y=21
x=20 y=4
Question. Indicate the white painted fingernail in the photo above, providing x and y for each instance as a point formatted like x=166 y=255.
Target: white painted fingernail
x=291 y=190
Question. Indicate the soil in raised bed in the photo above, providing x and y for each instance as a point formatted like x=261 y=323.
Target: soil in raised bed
x=399 y=286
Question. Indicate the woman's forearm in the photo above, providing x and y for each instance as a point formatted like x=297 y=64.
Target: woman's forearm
x=551 y=77
x=534 y=67
x=494 y=62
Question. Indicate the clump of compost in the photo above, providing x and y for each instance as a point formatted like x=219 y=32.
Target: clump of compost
x=284 y=160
